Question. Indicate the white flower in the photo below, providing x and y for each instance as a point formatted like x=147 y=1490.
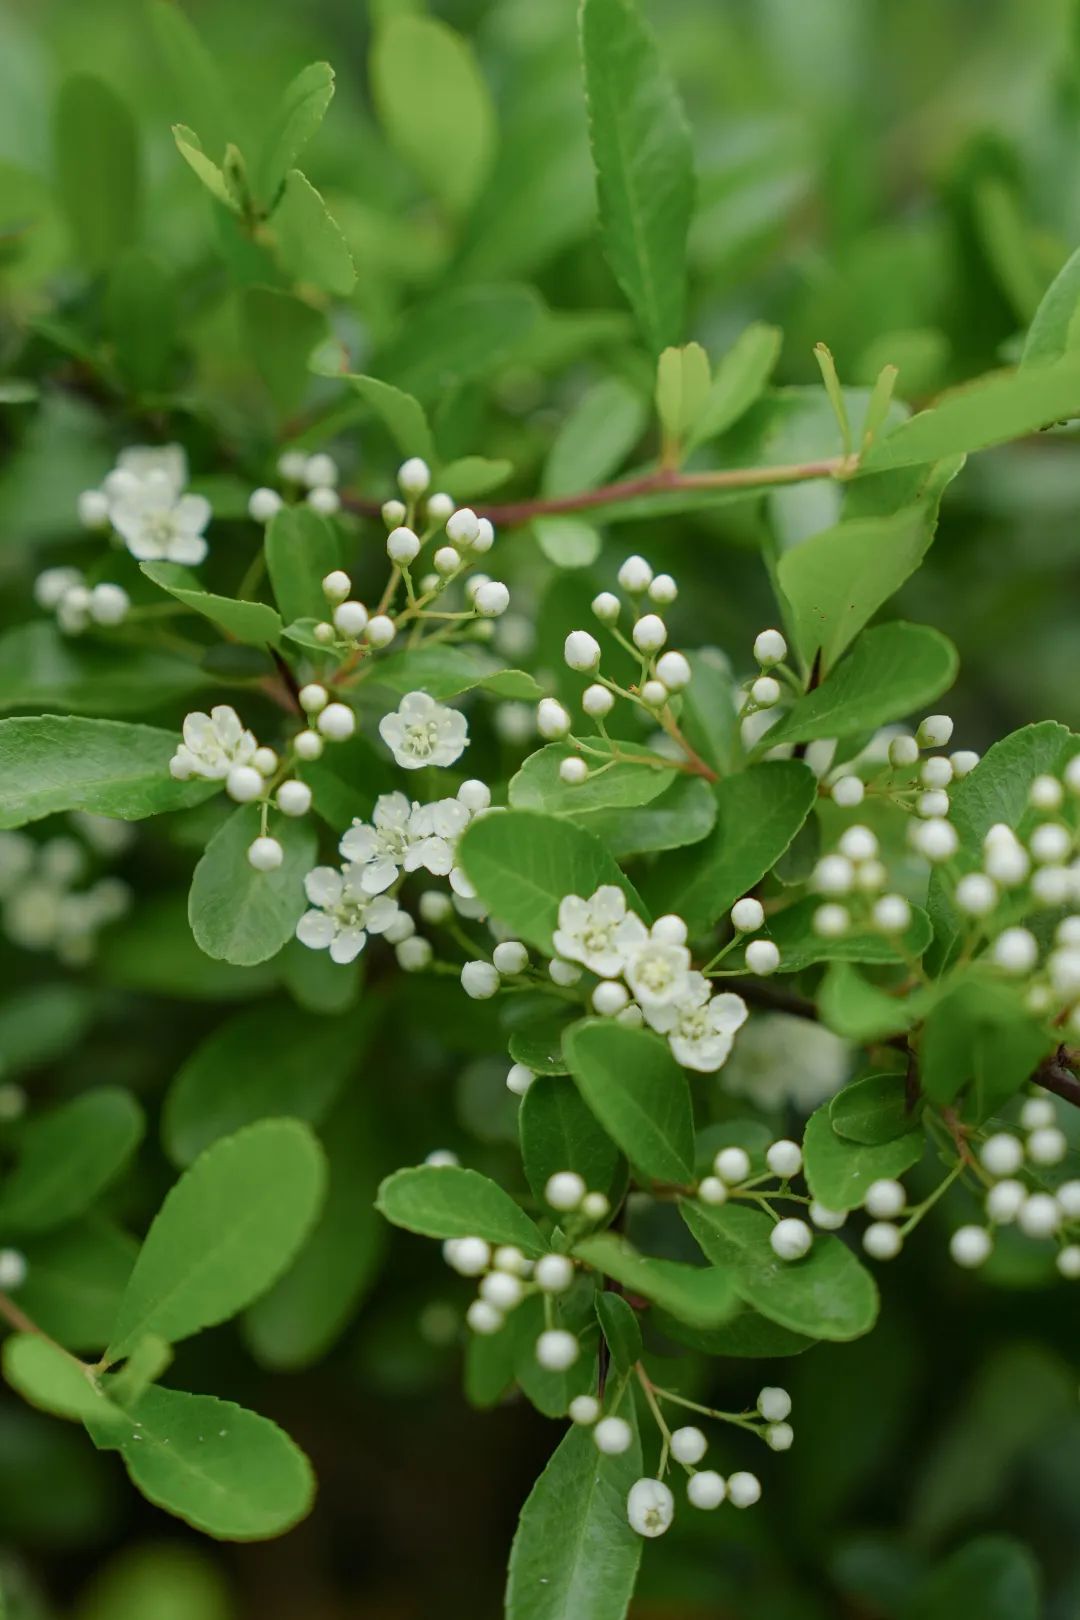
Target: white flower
x=700 y=1027
x=150 y=460
x=403 y=836
x=650 y=1507
x=656 y=969
x=587 y=930
x=423 y=732
x=158 y=525
x=213 y=744
x=342 y=916
x=780 y=1058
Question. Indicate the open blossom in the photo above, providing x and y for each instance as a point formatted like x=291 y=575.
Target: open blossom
x=403 y=836
x=597 y=931
x=158 y=525
x=422 y=732
x=213 y=743
x=142 y=461
x=342 y=915
x=700 y=1027
x=656 y=969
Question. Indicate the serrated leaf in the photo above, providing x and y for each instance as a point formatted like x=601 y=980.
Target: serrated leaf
x=826 y=1295
x=50 y=763
x=299 y=116
x=254 y=623
x=523 y=865
x=873 y=1110
x=644 y=165
x=445 y=1201
x=67 y=1157
x=629 y=782
x=311 y=244
x=758 y=813
x=839 y=1171
x=403 y=416
x=704 y=1296
x=638 y=1092
x=226 y=1471
x=558 y=1132
x=891 y=671
x=446 y=672
x=240 y=915
x=54 y=1381
x=685 y=813
x=574 y=1554
x=434 y=105
x=226 y=1231
x=739 y=380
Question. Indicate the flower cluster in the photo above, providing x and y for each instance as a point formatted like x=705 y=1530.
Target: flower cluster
x=145 y=500
x=77 y=604
x=316 y=474
x=43 y=910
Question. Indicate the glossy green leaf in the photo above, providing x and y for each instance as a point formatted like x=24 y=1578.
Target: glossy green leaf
x=446 y=672
x=684 y=813
x=67 y=1157
x=644 y=165
x=444 y=1201
x=97 y=168
x=301 y=549
x=619 y=1325
x=891 y=671
x=225 y=1232
x=792 y=931
x=839 y=1171
x=638 y=1092
x=74 y=1281
x=827 y=1295
x=252 y=622
x=226 y=1471
x=50 y=763
x=850 y=1005
x=747 y=1336
x=311 y=244
x=575 y=1556
x=701 y=1295
x=558 y=1132
x=434 y=105
x=190 y=148
x=758 y=813
x=873 y=1110
x=240 y=915
x=49 y=1378
x=539 y=1045
x=709 y=711
x=42 y=669
x=538 y=785
x=523 y=865
x=739 y=380
x=463 y=334
x=471 y=476
x=298 y=117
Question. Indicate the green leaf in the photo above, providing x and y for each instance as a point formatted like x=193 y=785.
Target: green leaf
x=280 y=333
x=301 y=549
x=265 y=1062
x=251 y=622
x=434 y=105
x=1002 y=406
x=638 y=1092
x=999 y=787
x=682 y=387
x=311 y=244
x=200 y=85
x=850 y=1005
x=225 y=1232
x=558 y=1132
x=703 y=1296
x=140 y=309
x=619 y=1325
x=792 y=931
x=74 y=1281
x=568 y=542
x=575 y=1556
x=50 y=1379
x=462 y=334
x=709 y=718
x=50 y=763
x=299 y=116
x=67 y=1157
x=539 y=1045
x=446 y=672
x=594 y=438
x=992 y=1578
x=644 y=165
x=189 y=146
x=403 y=416
x=827 y=1295
x=97 y=169
x=836 y=581
x=538 y=785
x=1053 y=331
x=739 y=380
x=552 y=1392
x=240 y=915
x=444 y=1201
x=839 y=1171
x=224 y=1470
x=42 y=669
x=758 y=813
x=299 y=1319
x=891 y=671
x=472 y=476
x=748 y=1336
x=685 y=813
x=523 y=865
x=873 y=1110
x=980 y=1031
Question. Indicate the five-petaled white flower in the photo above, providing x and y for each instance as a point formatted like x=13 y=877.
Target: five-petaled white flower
x=342 y=916
x=589 y=930
x=423 y=732
x=158 y=525
x=655 y=968
x=403 y=836
x=143 y=461
x=700 y=1027
x=213 y=743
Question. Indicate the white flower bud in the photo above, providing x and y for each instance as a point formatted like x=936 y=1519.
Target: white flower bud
x=649 y=633
x=829 y=1220
x=1002 y=1154
x=556 y=1350
x=447 y=561
x=882 y=1240
x=313 y=697
x=848 y=791
x=748 y=915
x=976 y=894
x=743 y=1489
x=833 y=874
x=784 y=1158
x=711 y=1190
x=492 y=599
x=244 y=784
x=294 y=798
x=553 y=722
x=474 y=795
x=402 y=546
x=774 y=1404
x=663 y=590
x=483 y=1317
x=439 y=507
x=706 y=1489
x=613 y=1436
x=584 y=1409
x=635 y=575
x=265 y=761
x=264 y=504
x=13 y=1269
x=934 y=731
x=468 y=1256
x=1046 y=793
x=936 y=772
x=413 y=954
x=565 y=1190
x=650 y=1507
x=463 y=526
x=519 y=1078
x=654 y=694
x=581 y=650
x=320 y=471
x=265 y=854
x=380 y=631
x=324 y=500
x=291 y=464
x=770 y=648
x=337 y=722
x=892 y=914
x=963 y=762
x=93 y=509
x=1068 y=1261
x=1047 y=1145
x=597 y=701
x=791 y=1238
x=688 y=1445
x=884 y=1199
x=414 y=476
x=610 y=997
x=324 y=633
x=573 y=771
x=501 y=1289
x=1039 y=1216
x=393 y=513
x=1049 y=844
x=1004 y=1201
x=673 y=668
x=480 y=980
x=1015 y=951
x=510 y=957
x=337 y=585
x=831 y=921
x=732 y=1165
x=606 y=607
x=485 y=535
x=765 y=691
x=903 y=751
x=970 y=1246
x=936 y=839
x=308 y=744
x=762 y=957
x=554 y=1273
x=109 y=604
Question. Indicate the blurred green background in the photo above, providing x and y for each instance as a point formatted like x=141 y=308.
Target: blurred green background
x=899 y=180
